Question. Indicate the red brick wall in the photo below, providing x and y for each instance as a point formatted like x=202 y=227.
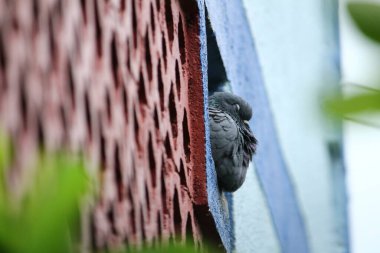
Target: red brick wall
x=120 y=81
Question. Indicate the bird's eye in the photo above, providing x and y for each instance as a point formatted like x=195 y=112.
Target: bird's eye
x=237 y=107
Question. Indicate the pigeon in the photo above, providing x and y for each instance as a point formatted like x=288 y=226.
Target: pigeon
x=232 y=142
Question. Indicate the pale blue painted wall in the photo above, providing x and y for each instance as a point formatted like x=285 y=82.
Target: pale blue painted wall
x=237 y=48
x=281 y=57
x=298 y=51
x=254 y=231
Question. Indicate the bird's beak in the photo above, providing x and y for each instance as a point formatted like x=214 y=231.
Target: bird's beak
x=246 y=122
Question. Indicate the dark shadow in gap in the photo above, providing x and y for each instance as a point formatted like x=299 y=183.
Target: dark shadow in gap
x=217 y=77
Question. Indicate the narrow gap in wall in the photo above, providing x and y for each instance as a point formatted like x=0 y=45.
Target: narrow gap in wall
x=189 y=231
x=63 y=117
x=23 y=98
x=132 y=214
x=98 y=30
x=142 y=224
x=177 y=215
x=102 y=147
x=218 y=81
x=83 y=5
x=111 y=219
x=88 y=114
x=118 y=173
x=159 y=225
x=114 y=61
x=217 y=77
x=147 y=199
x=40 y=132
x=152 y=161
x=92 y=232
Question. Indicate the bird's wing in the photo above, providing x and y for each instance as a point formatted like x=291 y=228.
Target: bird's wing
x=249 y=146
x=227 y=150
x=225 y=139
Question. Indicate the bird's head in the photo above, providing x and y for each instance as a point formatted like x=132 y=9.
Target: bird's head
x=235 y=106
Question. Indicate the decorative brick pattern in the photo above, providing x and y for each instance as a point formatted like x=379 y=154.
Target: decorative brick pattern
x=120 y=81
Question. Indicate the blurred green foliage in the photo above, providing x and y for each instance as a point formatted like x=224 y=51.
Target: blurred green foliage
x=41 y=219
x=366 y=17
x=363 y=100
x=47 y=217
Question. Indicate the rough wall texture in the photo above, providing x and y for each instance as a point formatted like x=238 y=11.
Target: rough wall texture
x=119 y=80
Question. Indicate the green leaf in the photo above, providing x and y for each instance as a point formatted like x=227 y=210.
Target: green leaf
x=4 y=152
x=367 y=17
x=356 y=104
x=62 y=183
x=41 y=221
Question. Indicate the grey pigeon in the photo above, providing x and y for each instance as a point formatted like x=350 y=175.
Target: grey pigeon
x=232 y=141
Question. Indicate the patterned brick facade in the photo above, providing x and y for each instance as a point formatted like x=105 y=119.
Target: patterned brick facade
x=120 y=81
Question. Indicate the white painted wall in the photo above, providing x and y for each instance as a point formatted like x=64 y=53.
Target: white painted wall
x=361 y=65
x=253 y=225
x=296 y=47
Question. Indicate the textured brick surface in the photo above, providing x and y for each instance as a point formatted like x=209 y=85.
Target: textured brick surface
x=120 y=81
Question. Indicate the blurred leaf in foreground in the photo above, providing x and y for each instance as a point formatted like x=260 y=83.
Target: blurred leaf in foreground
x=5 y=148
x=359 y=104
x=367 y=17
x=5 y=153
x=41 y=220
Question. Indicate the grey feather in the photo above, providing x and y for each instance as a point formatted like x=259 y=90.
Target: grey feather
x=232 y=141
